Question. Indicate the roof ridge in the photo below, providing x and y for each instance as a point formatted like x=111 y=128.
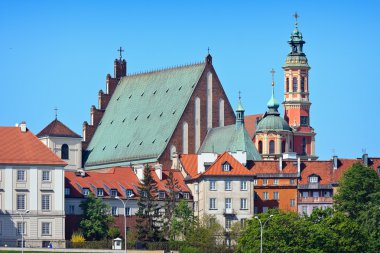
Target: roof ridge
x=147 y=72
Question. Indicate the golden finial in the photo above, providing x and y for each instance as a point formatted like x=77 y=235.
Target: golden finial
x=272 y=72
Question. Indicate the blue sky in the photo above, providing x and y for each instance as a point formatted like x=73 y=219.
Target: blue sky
x=57 y=53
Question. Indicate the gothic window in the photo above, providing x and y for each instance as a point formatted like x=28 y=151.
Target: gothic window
x=303 y=84
x=209 y=100
x=287 y=84
x=197 y=123
x=65 y=152
x=283 y=146
x=271 y=147
x=260 y=147
x=185 y=138
x=304 y=146
x=294 y=84
x=221 y=112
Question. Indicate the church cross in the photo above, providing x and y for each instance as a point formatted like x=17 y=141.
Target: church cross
x=120 y=50
x=296 y=16
x=239 y=94
x=272 y=72
x=56 y=112
x=208 y=50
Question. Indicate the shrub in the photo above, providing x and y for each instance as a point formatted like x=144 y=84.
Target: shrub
x=77 y=237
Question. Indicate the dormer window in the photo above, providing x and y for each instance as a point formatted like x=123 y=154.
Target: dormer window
x=67 y=191
x=130 y=193
x=113 y=192
x=100 y=192
x=226 y=166
x=313 y=179
x=186 y=195
x=86 y=191
x=161 y=195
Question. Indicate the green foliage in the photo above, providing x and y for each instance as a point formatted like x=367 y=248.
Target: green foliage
x=96 y=218
x=182 y=221
x=113 y=233
x=359 y=186
x=148 y=215
x=172 y=189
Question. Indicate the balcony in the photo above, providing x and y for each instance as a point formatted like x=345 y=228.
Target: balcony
x=311 y=200
x=229 y=211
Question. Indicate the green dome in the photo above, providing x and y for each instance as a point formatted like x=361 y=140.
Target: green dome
x=272 y=123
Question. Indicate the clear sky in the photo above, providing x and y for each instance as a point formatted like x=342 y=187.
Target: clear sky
x=57 y=53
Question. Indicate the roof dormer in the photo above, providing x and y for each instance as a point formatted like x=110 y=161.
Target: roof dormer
x=226 y=166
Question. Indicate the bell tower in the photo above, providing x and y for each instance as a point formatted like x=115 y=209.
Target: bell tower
x=296 y=96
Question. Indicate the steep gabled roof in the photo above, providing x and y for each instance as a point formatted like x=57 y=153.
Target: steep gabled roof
x=229 y=138
x=57 y=129
x=250 y=122
x=190 y=163
x=237 y=169
x=25 y=148
x=142 y=116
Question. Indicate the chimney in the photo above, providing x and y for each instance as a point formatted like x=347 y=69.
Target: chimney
x=23 y=127
x=335 y=162
x=280 y=163
x=120 y=68
x=158 y=170
x=365 y=159
x=299 y=165
x=175 y=161
x=139 y=171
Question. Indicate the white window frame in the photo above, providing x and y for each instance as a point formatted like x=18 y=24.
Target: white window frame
x=276 y=195
x=226 y=167
x=129 y=193
x=186 y=195
x=21 y=175
x=21 y=226
x=212 y=185
x=86 y=191
x=113 y=193
x=114 y=211
x=228 y=203
x=128 y=211
x=313 y=179
x=265 y=181
x=21 y=203
x=67 y=191
x=45 y=202
x=243 y=204
x=228 y=185
x=275 y=181
x=212 y=204
x=244 y=185
x=265 y=196
x=71 y=209
x=228 y=223
x=46 y=228
x=255 y=181
x=99 y=192
x=292 y=202
x=161 y=195
x=46 y=176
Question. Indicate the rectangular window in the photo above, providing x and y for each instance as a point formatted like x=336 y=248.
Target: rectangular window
x=275 y=181
x=71 y=209
x=129 y=193
x=243 y=185
x=227 y=185
x=265 y=209
x=315 y=194
x=114 y=211
x=86 y=191
x=243 y=223
x=243 y=204
x=228 y=222
x=275 y=195
x=67 y=191
x=313 y=179
x=128 y=211
x=304 y=121
x=212 y=203
x=228 y=203
x=144 y=194
x=212 y=186
x=304 y=209
x=45 y=202
x=46 y=227
x=291 y=181
x=265 y=196
x=21 y=202
x=255 y=210
x=21 y=228
x=113 y=193
x=327 y=194
x=186 y=195
x=305 y=194
x=196 y=187
x=99 y=192
x=161 y=195
x=265 y=181
x=256 y=196
x=46 y=175
x=292 y=202
x=20 y=175
x=226 y=167
x=255 y=181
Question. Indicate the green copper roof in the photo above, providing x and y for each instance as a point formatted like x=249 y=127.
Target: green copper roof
x=239 y=107
x=142 y=115
x=273 y=103
x=229 y=138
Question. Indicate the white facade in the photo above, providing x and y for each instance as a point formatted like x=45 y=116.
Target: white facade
x=74 y=160
x=37 y=193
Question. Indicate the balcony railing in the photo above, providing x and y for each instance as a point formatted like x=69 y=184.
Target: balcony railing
x=315 y=200
x=229 y=211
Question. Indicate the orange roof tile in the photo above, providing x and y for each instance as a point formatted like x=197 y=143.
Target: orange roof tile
x=250 y=123
x=190 y=163
x=17 y=147
x=237 y=169
x=58 y=129
x=324 y=169
x=272 y=167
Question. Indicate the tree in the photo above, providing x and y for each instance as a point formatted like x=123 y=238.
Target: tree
x=358 y=187
x=182 y=221
x=172 y=190
x=96 y=218
x=148 y=214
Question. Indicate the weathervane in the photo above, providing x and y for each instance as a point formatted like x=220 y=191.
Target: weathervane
x=272 y=72
x=296 y=16
x=120 y=50
x=56 y=112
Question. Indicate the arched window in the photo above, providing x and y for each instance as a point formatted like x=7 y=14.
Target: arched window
x=271 y=147
x=304 y=145
x=209 y=100
x=185 y=138
x=65 y=152
x=294 y=84
x=260 y=147
x=221 y=112
x=283 y=144
x=197 y=116
x=287 y=84
x=303 y=84
x=173 y=150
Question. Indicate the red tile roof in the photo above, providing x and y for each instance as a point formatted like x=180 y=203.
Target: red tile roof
x=272 y=167
x=17 y=147
x=57 y=129
x=250 y=123
x=237 y=169
x=190 y=163
x=324 y=169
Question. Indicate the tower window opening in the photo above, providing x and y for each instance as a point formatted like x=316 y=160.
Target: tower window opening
x=260 y=147
x=271 y=147
x=294 y=84
x=283 y=146
x=287 y=84
x=65 y=152
x=304 y=146
x=303 y=84
x=304 y=121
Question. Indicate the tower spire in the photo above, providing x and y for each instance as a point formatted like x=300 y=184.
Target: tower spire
x=296 y=16
x=239 y=113
x=272 y=103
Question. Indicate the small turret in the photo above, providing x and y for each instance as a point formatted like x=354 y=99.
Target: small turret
x=239 y=114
